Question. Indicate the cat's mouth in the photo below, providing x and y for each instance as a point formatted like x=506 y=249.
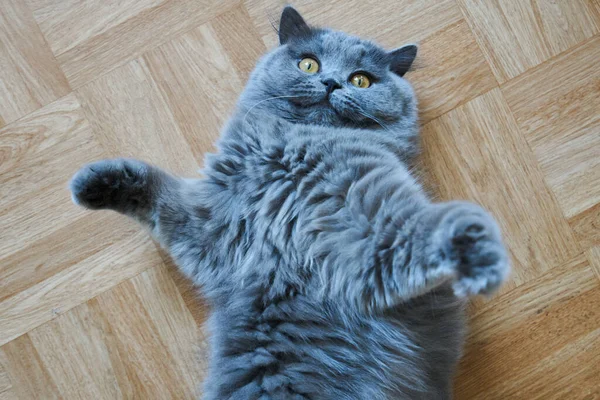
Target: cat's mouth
x=311 y=99
x=329 y=104
x=323 y=107
x=340 y=105
x=314 y=101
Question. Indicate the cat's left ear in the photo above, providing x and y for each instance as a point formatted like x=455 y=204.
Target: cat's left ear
x=292 y=25
x=402 y=58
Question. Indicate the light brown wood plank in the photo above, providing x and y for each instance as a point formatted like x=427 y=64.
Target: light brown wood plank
x=80 y=282
x=191 y=295
x=132 y=119
x=39 y=155
x=29 y=379
x=29 y=75
x=202 y=73
x=5 y=384
x=542 y=329
x=42 y=259
x=156 y=333
x=154 y=23
x=476 y=152
x=556 y=106
x=72 y=349
x=593 y=255
x=67 y=24
x=158 y=358
x=554 y=286
x=451 y=70
x=586 y=226
x=516 y=35
x=197 y=78
x=8 y=394
x=572 y=373
x=243 y=58
x=181 y=333
x=393 y=23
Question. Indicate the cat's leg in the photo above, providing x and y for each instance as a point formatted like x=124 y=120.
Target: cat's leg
x=409 y=248
x=461 y=243
x=130 y=187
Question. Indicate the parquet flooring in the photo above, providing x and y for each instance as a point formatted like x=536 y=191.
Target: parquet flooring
x=91 y=308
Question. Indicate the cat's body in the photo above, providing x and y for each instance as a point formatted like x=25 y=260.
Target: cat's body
x=278 y=329
x=330 y=273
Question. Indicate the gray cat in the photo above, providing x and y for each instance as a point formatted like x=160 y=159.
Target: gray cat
x=330 y=273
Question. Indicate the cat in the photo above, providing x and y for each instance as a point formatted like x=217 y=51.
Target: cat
x=330 y=273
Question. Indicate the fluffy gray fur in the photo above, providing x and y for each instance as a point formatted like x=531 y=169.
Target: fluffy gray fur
x=330 y=273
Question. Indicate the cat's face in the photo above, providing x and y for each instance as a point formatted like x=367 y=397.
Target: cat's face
x=320 y=76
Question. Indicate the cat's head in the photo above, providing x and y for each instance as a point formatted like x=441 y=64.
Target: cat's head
x=321 y=76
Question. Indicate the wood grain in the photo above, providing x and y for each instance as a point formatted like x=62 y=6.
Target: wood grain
x=196 y=67
x=26 y=376
x=100 y=53
x=451 y=71
x=68 y=24
x=139 y=338
x=69 y=245
x=72 y=349
x=517 y=35
x=76 y=284
x=175 y=325
x=243 y=58
x=593 y=255
x=586 y=227
x=531 y=322
x=560 y=119
x=29 y=75
x=90 y=308
x=476 y=152
x=39 y=154
x=201 y=79
x=132 y=119
x=392 y=23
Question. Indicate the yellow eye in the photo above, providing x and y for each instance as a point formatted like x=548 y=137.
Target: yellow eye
x=360 y=81
x=309 y=65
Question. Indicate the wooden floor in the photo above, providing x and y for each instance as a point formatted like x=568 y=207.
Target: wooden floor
x=90 y=308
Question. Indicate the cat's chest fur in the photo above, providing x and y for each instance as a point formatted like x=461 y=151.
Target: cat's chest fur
x=268 y=183
x=277 y=184
x=280 y=178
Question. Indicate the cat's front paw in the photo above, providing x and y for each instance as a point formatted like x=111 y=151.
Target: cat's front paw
x=116 y=184
x=474 y=244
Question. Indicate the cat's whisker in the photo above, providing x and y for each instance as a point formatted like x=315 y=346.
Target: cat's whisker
x=262 y=101
x=361 y=111
x=351 y=103
x=304 y=92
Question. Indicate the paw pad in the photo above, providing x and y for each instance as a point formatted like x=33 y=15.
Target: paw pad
x=475 y=245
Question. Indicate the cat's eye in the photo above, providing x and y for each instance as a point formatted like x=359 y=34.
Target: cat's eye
x=360 y=81
x=309 y=65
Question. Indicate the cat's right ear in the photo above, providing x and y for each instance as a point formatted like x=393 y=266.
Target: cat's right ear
x=402 y=58
x=292 y=25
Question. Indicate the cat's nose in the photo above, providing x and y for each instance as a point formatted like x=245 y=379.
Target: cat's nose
x=331 y=84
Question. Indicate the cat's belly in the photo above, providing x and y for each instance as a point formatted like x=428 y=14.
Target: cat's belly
x=297 y=349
